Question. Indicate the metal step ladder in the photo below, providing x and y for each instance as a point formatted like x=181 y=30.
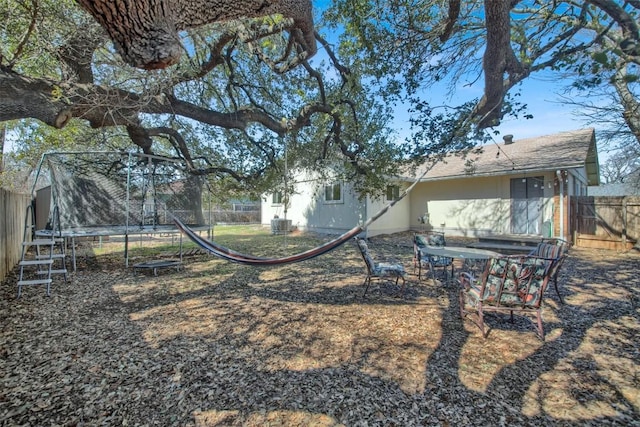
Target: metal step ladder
x=37 y=266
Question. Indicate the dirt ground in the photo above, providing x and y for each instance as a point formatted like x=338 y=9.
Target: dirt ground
x=220 y=344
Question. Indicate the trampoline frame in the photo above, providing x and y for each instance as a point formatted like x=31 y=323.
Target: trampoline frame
x=126 y=230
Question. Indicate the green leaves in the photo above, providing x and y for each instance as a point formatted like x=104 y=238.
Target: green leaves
x=600 y=58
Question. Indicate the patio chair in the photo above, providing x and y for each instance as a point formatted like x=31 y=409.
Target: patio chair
x=379 y=270
x=555 y=250
x=434 y=238
x=509 y=284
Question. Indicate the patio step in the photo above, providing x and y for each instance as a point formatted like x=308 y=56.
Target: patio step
x=507 y=244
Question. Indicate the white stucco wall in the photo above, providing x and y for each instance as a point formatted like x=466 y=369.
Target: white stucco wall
x=308 y=210
x=395 y=220
x=471 y=206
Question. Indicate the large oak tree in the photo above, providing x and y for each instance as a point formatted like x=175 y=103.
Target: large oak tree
x=227 y=100
x=227 y=107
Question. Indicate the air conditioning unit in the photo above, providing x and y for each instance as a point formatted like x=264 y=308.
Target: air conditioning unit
x=280 y=226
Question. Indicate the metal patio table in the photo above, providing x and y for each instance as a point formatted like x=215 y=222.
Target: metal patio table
x=474 y=259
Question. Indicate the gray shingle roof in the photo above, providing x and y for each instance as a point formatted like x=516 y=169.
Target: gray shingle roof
x=558 y=151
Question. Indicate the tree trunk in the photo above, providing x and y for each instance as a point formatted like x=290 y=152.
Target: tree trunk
x=497 y=22
x=498 y=60
x=3 y=135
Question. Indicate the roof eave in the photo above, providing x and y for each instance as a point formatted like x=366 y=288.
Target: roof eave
x=519 y=171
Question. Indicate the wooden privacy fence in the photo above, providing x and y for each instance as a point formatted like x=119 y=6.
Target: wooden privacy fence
x=13 y=207
x=606 y=221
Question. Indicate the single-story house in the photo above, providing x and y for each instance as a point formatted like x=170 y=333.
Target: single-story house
x=519 y=187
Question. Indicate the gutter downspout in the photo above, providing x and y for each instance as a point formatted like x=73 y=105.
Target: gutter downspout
x=561 y=210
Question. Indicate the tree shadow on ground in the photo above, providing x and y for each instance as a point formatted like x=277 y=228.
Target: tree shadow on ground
x=219 y=344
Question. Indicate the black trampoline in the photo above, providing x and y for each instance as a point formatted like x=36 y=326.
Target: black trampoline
x=96 y=194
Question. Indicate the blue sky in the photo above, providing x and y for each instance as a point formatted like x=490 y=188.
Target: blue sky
x=549 y=115
x=540 y=95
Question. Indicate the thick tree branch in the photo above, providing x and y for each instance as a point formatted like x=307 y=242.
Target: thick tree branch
x=629 y=102
x=77 y=53
x=176 y=140
x=344 y=71
x=145 y=32
x=44 y=100
x=630 y=31
x=497 y=60
x=215 y=59
x=141 y=137
x=452 y=17
x=22 y=97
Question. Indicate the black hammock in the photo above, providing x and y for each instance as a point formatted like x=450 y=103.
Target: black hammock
x=233 y=256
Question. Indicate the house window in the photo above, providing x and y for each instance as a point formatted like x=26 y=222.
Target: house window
x=278 y=198
x=393 y=192
x=333 y=193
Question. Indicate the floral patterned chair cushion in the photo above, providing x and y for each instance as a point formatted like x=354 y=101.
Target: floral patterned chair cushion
x=555 y=250
x=515 y=281
x=431 y=239
x=379 y=270
x=509 y=284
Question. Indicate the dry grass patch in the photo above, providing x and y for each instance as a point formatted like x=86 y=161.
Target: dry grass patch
x=219 y=344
